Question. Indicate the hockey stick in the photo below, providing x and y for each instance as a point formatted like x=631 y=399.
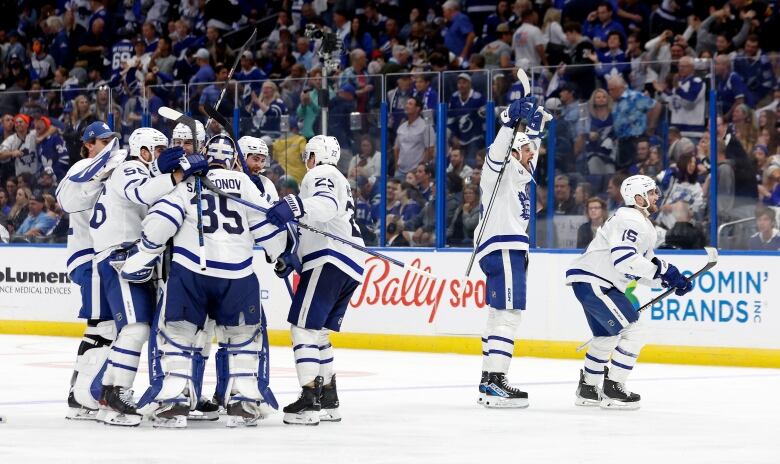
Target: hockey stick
x=179 y=117
x=523 y=78
x=222 y=121
x=241 y=51
x=210 y=185
x=712 y=260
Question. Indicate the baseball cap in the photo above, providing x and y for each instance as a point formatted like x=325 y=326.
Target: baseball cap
x=48 y=170
x=37 y=195
x=202 y=53
x=348 y=88
x=98 y=130
x=464 y=76
x=248 y=54
x=503 y=27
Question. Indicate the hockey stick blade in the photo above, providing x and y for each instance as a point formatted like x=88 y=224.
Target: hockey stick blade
x=712 y=260
x=170 y=113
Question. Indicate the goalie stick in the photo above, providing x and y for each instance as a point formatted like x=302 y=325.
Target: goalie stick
x=179 y=117
x=712 y=260
x=210 y=185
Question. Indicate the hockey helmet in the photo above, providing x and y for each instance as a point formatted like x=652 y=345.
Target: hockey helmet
x=325 y=149
x=220 y=150
x=254 y=146
x=149 y=138
x=636 y=185
x=520 y=139
x=182 y=132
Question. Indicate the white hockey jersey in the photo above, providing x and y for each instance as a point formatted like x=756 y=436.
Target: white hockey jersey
x=123 y=203
x=230 y=229
x=620 y=252
x=269 y=190
x=328 y=206
x=77 y=199
x=508 y=222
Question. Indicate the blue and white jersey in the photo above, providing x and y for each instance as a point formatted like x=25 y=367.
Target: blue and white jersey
x=77 y=199
x=53 y=153
x=256 y=76
x=328 y=206
x=688 y=106
x=463 y=117
x=757 y=73
x=621 y=251
x=230 y=229
x=730 y=89
x=123 y=203
x=121 y=52
x=267 y=189
x=508 y=222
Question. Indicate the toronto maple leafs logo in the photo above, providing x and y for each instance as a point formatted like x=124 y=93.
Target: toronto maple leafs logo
x=525 y=205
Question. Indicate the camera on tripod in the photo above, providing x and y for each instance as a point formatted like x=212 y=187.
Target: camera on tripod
x=330 y=46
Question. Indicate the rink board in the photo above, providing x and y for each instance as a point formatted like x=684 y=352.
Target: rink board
x=731 y=317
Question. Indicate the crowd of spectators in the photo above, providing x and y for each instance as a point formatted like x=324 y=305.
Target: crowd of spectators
x=627 y=81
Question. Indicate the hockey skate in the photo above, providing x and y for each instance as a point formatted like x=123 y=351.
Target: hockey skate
x=246 y=413
x=306 y=409
x=499 y=394
x=329 y=401
x=587 y=395
x=482 y=388
x=118 y=408
x=78 y=412
x=206 y=410
x=170 y=415
x=615 y=396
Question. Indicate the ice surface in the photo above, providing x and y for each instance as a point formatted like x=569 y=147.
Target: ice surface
x=415 y=408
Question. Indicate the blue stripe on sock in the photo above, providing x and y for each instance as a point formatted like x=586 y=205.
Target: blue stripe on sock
x=326 y=361
x=502 y=353
x=298 y=347
x=626 y=353
x=501 y=339
x=595 y=359
x=622 y=366
x=591 y=371
x=307 y=360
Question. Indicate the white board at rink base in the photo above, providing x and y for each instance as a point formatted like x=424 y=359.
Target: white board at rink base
x=732 y=317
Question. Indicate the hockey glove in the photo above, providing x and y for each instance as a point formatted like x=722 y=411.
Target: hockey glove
x=282 y=269
x=194 y=164
x=519 y=109
x=139 y=267
x=285 y=210
x=536 y=120
x=167 y=162
x=670 y=277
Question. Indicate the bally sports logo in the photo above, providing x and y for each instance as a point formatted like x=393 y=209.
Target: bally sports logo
x=411 y=290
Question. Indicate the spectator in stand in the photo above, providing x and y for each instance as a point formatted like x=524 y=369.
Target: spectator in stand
x=368 y=161
x=634 y=115
x=397 y=98
x=59 y=47
x=46 y=182
x=684 y=235
x=389 y=37
x=357 y=37
x=743 y=126
x=498 y=53
x=580 y=47
x=611 y=60
x=209 y=95
x=20 y=209
x=357 y=76
x=364 y=216
x=726 y=179
x=767 y=237
x=596 y=214
x=248 y=71
x=717 y=24
x=465 y=118
x=465 y=219
x=600 y=23
x=375 y=22
x=423 y=174
x=424 y=92
x=205 y=72
x=459 y=35
x=21 y=147
x=490 y=28
x=755 y=69
x=415 y=141
x=687 y=102
x=37 y=223
x=267 y=109
x=339 y=110
x=287 y=151
x=309 y=111
x=581 y=195
x=42 y=64
x=393 y=196
x=51 y=148
x=685 y=189
x=554 y=38
x=458 y=164
x=564 y=202
x=411 y=201
x=394 y=232
x=614 y=198
x=5 y=207
x=11 y=186
x=528 y=42
x=8 y=126
x=731 y=89
x=303 y=54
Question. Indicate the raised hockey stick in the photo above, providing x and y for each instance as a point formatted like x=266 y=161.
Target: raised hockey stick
x=523 y=78
x=222 y=121
x=210 y=185
x=712 y=260
x=179 y=117
x=241 y=51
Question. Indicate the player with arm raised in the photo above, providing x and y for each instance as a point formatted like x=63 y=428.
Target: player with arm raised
x=621 y=251
x=330 y=273
x=256 y=152
x=151 y=171
x=227 y=291
x=77 y=194
x=502 y=252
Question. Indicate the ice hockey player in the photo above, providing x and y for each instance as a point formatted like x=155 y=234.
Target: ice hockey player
x=227 y=292
x=621 y=252
x=182 y=137
x=255 y=150
x=503 y=251
x=77 y=194
x=330 y=273
x=151 y=171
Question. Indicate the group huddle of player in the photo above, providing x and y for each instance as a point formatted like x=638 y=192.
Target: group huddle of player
x=164 y=262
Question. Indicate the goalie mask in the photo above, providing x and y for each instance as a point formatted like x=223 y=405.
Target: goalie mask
x=147 y=138
x=220 y=150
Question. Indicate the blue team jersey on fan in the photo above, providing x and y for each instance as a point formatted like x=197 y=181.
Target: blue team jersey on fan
x=463 y=117
x=120 y=53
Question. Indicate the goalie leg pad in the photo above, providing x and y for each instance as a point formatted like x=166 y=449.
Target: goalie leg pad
x=92 y=355
x=307 y=353
x=626 y=352
x=125 y=355
x=500 y=333
x=177 y=350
